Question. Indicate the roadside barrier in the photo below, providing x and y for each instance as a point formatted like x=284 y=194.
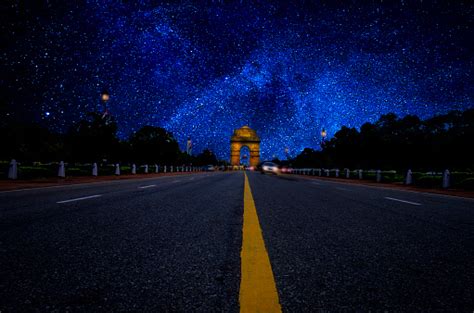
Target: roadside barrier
x=13 y=170
x=409 y=178
x=378 y=176
x=61 y=170
x=446 y=176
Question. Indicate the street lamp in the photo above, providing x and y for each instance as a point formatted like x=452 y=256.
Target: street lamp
x=104 y=96
x=323 y=136
x=323 y=133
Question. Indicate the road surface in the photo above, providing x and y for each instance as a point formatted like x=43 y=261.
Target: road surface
x=175 y=244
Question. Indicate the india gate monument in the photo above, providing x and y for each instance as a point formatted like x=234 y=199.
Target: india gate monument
x=245 y=137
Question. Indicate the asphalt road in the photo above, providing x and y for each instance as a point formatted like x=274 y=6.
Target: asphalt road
x=172 y=244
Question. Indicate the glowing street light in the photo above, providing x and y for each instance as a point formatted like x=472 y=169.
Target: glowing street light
x=104 y=96
x=323 y=136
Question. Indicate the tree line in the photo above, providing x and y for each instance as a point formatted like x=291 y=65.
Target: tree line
x=399 y=143
x=390 y=143
x=94 y=139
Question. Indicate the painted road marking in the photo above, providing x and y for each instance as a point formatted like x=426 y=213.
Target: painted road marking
x=258 y=291
x=106 y=182
x=404 y=201
x=149 y=186
x=315 y=183
x=79 y=199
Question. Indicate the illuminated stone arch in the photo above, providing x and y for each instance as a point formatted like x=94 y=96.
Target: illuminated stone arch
x=245 y=137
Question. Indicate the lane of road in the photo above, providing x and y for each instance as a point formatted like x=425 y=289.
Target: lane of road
x=342 y=247
x=174 y=247
x=174 y=244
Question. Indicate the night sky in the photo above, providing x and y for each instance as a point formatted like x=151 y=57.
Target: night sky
x=203 y=69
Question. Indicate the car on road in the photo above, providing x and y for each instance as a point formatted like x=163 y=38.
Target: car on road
x=210 y=168
x=269 y=168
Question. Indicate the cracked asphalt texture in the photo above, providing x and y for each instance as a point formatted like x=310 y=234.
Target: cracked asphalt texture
x=175 y=247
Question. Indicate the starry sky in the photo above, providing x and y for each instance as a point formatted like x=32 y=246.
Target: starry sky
x=201 y=69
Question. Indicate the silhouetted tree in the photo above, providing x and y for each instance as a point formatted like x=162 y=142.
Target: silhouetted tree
x=399 y=143
x=206 y=157
x=29 y=143
x=154 y=145
x=92 y=139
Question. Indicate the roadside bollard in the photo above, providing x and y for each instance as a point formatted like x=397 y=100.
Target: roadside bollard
x=95 y=170
x=157 y=169
x=327 y=173
x=61 y=170
x=164 y=169
x=348 y=173
x=146 y=168
x=360 y=174
x=117 y=169
x=446 y=179
x=13 y=170
x=134 y=169
x=337 y=172
x=378 y=176
x=409 y=179
x=171 y=169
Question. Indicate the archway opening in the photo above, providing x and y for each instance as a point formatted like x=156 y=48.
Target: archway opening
x=245 y=156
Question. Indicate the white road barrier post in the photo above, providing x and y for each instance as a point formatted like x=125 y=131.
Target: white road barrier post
x=327 y=173
x=348 y=173
x=378 y=176
x=164 y=169
x=360 y=174
x=157 y=169
x=171 y=169
x=134 y=169
x=117 y=169
x=95 y=170
x=337 y=172
x=409 y=178
x=61 y=170
x=146 y=168
x=13 y=170
x=446 y=179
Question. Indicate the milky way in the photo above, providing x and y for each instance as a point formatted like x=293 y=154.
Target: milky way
x=202 y=70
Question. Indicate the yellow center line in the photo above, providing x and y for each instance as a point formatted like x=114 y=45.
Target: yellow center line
x=258 y=292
